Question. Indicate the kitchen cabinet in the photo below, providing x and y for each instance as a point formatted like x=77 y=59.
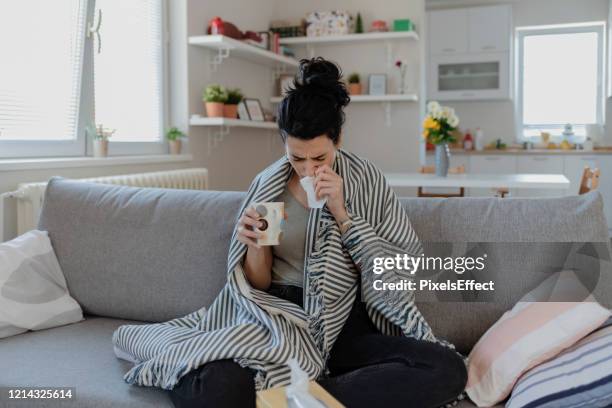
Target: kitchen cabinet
x=489 y=28
x=542 y=164
x=469 y=53
x=448 y=31
x=469 y=77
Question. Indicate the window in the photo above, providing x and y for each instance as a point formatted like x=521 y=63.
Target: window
x=559 y=79
x=54 y=83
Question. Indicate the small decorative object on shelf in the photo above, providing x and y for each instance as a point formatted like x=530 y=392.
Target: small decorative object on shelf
x=230 y=108
x=379 y=26
x=354 y=84
x=288 y=28
x=254 y=108
x=174 y=136
x=100 y=136
x=404 y=24
x=359 y=24
x=214 y=99
x=468 y=141
x=402 y=67
x=322 y=23
x=377 y=84
x=438 y=128
x=243 y=112
x=285 y=81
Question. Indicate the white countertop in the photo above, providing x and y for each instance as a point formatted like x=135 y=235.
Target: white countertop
x=546 y=181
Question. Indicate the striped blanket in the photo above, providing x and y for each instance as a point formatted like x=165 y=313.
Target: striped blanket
x=262 y=332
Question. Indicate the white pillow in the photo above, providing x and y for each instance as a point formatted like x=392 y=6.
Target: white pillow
x=33 y=291
x=531 y=333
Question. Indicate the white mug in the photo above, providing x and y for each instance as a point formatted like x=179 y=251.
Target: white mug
x=308 y=186
x=272 y=215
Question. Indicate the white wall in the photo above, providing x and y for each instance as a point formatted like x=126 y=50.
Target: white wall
x=496 y=118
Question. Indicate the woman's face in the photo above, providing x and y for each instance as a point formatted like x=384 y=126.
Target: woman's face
x=307 y=155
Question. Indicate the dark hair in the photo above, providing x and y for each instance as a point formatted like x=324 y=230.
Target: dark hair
x=314 y=104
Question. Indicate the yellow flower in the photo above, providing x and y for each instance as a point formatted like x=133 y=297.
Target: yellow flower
x=425 y=134
x=430 y=123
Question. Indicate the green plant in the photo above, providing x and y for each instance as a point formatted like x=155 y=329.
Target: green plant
x=174 y=134
x=215 y=93
x=359 y=24
x=234 y=96
x=354 y=78
x=99 y=132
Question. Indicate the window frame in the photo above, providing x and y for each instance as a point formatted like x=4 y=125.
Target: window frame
x=82 y=145
x=597 y=27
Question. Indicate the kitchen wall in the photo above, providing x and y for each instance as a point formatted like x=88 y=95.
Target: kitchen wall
x=496 y=118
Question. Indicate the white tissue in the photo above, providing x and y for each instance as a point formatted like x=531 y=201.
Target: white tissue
x=297 y=392
x=308 y=186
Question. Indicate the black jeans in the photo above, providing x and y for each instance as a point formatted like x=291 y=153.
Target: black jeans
x=368 y=369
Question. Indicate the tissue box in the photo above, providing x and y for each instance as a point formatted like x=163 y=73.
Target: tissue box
x=321 y=23
x=276 y=397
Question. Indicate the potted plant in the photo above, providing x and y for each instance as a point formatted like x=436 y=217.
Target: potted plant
x=354 y=84
x=100 y=136
x=234 y=97
x=438 y=129
x=214 y=97
x=174 y=136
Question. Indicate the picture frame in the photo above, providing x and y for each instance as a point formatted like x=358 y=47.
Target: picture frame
x=377 y=84
x=253 y=107
x=243 y=112
x=284 y=82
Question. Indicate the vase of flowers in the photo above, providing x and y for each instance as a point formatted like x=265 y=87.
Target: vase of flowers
x=174 y=136
x=100 y=136
x=438 y=128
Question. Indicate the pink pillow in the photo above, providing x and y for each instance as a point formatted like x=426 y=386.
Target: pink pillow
x=524 y=337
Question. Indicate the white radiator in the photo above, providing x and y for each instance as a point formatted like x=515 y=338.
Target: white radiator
x=30 y=195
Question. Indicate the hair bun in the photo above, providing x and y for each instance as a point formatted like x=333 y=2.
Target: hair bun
x=324 y=76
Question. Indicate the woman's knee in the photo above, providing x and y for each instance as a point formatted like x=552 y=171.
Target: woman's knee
x=451 y=369
x=222 y=383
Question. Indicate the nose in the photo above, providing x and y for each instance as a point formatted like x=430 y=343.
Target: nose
x=311 y=168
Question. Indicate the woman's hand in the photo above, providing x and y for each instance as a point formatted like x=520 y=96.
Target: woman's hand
x=247 y=234
x=329 y=184
x=258 y=260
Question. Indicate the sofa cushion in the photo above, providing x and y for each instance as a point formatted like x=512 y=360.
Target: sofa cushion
x=525 y=239
x=79 y=355
x=145 y=254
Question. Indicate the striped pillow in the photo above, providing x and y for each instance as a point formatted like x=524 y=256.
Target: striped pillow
x=589 y=365
x=529 y=334
x=33 y=291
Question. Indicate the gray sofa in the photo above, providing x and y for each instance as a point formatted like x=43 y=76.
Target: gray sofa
x=133 y=254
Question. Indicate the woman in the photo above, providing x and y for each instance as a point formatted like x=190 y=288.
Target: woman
x=366 y=367
x=310 y=298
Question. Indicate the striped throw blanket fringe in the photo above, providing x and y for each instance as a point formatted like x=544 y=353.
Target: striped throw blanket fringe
x=262 y=332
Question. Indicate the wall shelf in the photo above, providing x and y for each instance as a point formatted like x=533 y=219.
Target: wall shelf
x=371 y=98
x=218 y=128
x=226 y=46
x=348 y=38
x=197 y=120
